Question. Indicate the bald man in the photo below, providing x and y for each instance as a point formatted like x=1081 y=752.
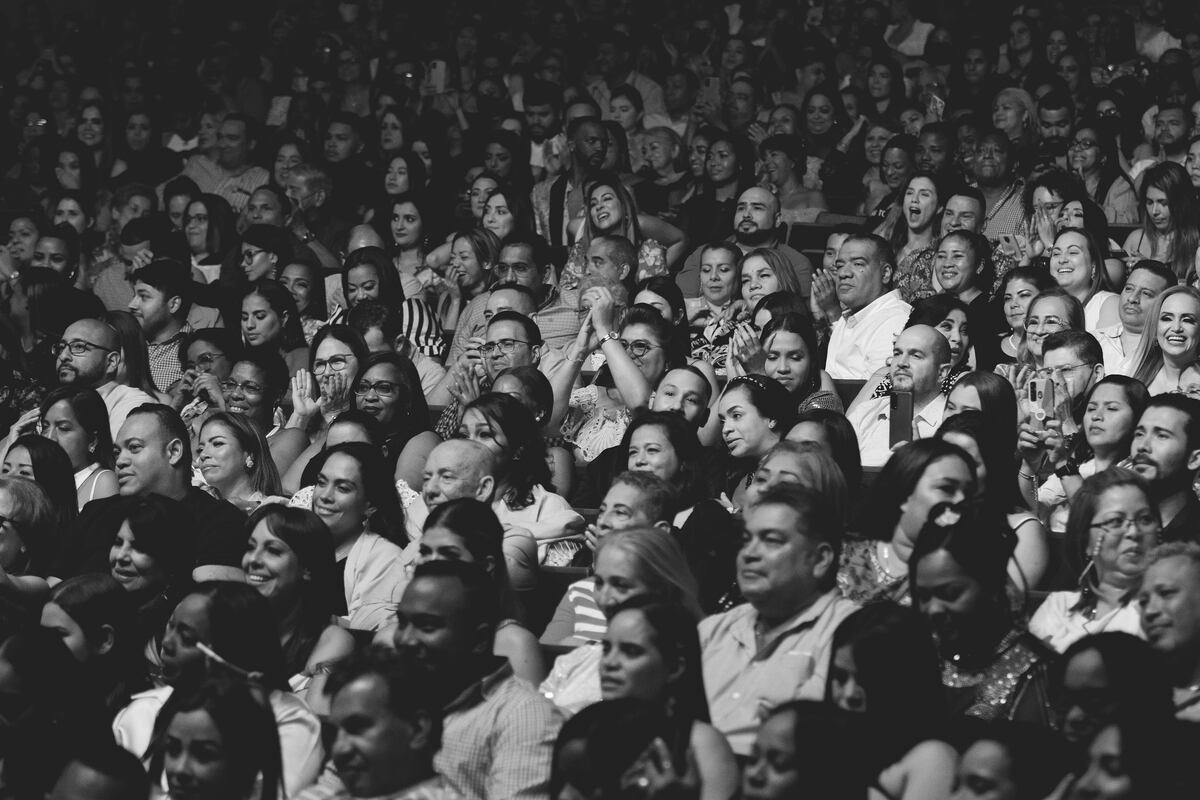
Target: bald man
x=920 y=362
x=88 y=357
x=755 y=223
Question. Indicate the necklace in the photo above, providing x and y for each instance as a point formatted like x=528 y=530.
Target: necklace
x=883 y=553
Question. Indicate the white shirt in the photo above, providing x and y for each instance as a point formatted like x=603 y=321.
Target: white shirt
x=1091 y=311
x=120 y=400
x=1116 y=360
x=872 y=421
x=861 y=343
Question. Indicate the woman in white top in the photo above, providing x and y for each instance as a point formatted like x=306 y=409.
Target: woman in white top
x=1165 y=359
x=77 y=420
x=1077 y=266
x=1111 y=530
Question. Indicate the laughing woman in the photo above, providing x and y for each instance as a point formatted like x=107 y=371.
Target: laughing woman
x=1166 y=356
x=915 y=235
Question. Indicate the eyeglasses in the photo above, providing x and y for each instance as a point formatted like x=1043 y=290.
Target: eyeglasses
x=77 y=347
x=1083 y=144
x=250 y=255
x=1119 y=525
x=203 y=361
x=1052 y=372
x=638 y=348
x=506 y=346
x=249 y=388
x=381 y=388
x=335 y=363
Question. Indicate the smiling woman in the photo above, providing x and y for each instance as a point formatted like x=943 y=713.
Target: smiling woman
x=235 y=462
x=1165 y=360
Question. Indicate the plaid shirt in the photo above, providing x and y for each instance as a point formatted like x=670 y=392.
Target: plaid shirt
x=165 y=368
x=498 y=739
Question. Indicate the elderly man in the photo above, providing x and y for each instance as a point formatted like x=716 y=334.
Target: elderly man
x=756 y=223
x=920 y=362
x=88 y=356
x=777 y=646
x=312 y=220
x=873 y=314
x=1170 y=603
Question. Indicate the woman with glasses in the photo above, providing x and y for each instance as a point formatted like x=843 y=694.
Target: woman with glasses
x=388 y=388
x=206 y=356
x=1165 y=360
x=1094 y=159
x=1112 y=527
x=1051 y=311
x=211 y=230
x=326 y=388
x=254 y=388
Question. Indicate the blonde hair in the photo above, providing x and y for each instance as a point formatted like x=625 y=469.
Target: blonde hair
x=1148 y=357
x=660 y=562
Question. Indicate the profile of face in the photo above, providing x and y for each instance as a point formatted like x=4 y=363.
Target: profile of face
x=774 y=770
x=948 y=479
x=134 y=569
x=340 y=497
x=196 y=761
x=745 y=431
x=188 y=626
x=60 y=425
x=1106 y=776
x=55 y=618
x=845 y=685
x=1192 y=161
x=631 y=664
x=12 y=547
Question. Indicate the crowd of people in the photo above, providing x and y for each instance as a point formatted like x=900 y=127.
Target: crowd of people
x=600 y=400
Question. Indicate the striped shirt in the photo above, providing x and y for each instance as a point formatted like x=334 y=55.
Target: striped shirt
x=578 y=619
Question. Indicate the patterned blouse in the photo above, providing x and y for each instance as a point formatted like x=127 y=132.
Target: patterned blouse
x=914 y=275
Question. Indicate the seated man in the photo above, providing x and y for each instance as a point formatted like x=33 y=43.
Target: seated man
x=635 y=500
x=89 y=356
x=498 y=733
x=873 y=313
x=1166 y=453
x=1170 y=603
x=920 y=362
x=1147 y=280
x=777 y=646
x=160 y=304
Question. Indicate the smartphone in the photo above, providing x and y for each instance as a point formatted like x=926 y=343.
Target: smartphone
x=1040 y=402
x=900 y=420
x=712 y=92
x=437 y=76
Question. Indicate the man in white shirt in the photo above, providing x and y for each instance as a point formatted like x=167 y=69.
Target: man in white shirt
x=861 y=340
x=920 y=362
x=89 y=356
x=1145 y=283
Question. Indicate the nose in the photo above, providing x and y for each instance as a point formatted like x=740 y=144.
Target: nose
x=405 y=636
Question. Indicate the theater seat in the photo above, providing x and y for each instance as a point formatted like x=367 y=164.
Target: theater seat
x=847 y=390
x=539 y=604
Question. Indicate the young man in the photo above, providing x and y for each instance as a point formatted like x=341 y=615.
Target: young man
x=1166 y=453
x=160 y=304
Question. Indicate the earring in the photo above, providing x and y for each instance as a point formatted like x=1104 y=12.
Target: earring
x=249 y=462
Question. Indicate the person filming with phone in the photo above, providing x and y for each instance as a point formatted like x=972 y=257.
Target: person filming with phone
x=1051 y=407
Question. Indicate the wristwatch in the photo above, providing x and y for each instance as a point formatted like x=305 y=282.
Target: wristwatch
x=611 y=336
x=1068 y=469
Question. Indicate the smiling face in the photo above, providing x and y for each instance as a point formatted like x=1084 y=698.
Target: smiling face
x=134 y=569
x=380 y=393
x=877 y=138
x=1192 y=161
x=465 y=267
x=1176 y=328
x=948 y=479
x=1170 y=604
x=653 y=362
x=650 y=450
x=245 y=391
x=1071 y=262
x=604 y=209
x=1046 y=316
x=956 y=265
x=952 y=600
x=220 y=455
x=895 y=167
x=1122 y=556
x=340 y=497
x=272 y=567
x=819 y=114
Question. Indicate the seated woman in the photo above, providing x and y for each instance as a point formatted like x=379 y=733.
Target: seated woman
x=992 y=668
x=982 y=391
x=611 y=210
x=254 y=389
x=884 y=666
x=468 y=530
x=638 y=353
x=229 y=720
x=716 y=312
x=1165 y=359
x=533 y=390
x=963 y=268
x=787 y=351
x=47 y=464
x=290 y=560
x=763 y=272
x=638 y=562
x=800 y=749
x=303 y=278
x=1017 y=759
x=270 y=321
x=1051 y=311
x=151 y=558
x=1016 y=292
x=227 y=628
x=206 y=356
x=355 y=498
x=1112 y=528
x=991 y=447
x=370 y=275
x=756 y=413
x=1111 y=411
x=914 y=236
x=833 y=433
x=30 y=532
x=1077 y=266
x=388 y=388
x=652 y=652
x=77 y=420
x=97 y=623
x=524 y=496
x=235 y=461
x=917 y=477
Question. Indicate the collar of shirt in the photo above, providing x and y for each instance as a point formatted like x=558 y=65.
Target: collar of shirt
x=931 y=415
x=480 y=689
x=805 y=619
x=852 y=318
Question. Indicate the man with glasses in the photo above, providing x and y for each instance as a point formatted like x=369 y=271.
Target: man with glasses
x=1166 y=453
x=264 y=249
x=88 y=356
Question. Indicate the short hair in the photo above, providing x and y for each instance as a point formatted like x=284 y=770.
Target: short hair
x=542 y=93
x=537 y=245
x=1054 y=100
x=126 y=192
x=533 y=334
x=1188 y=406
x=658 y=496
x=1158 y=269
x=817 y=517
x=181 y=186
x=523 y=291
x=274 y=370
x=620 y=250
x=883 y=248
x=481 y=596
x=169 y=277
x=790 y=144
x=1183 y=549
x=172 y=427
x=660 y=563
x=412 y=690
x=315 y=178
x=1081 y=343
x=968 y=191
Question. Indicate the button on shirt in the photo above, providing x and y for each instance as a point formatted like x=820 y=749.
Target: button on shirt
x=1116 y=360
x=744 y=683
x=861 y=342
x=872 y=421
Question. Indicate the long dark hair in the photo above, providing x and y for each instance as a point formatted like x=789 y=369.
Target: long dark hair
x=673 y=631
x=692 y=483
x=897 y=480
x=102 y=608
x=388 y=519
x=390 y=292
x=1172 y=180
x=412 y=412
x=480 y=529
x=843 y=444
x=283 y=304
x=91 y=414
x=525 y=465
x=997 y=443
x=53 y=472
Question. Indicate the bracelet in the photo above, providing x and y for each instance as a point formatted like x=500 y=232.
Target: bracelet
x=1028 y=475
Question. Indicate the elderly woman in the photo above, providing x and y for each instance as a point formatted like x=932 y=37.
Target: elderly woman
x=1112 y=527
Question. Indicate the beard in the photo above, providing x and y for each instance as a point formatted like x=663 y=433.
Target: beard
x=758 y=238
